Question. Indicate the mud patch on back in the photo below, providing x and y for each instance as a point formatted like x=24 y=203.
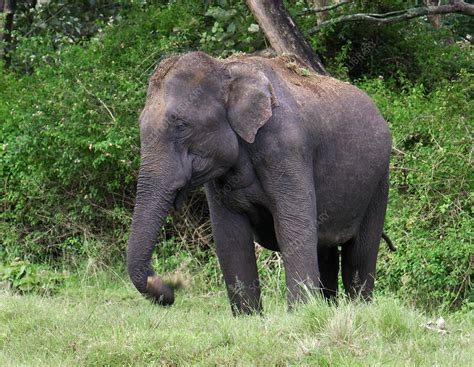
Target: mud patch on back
x=300 y=75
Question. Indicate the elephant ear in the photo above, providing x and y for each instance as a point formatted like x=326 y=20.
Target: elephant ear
x=249 y=101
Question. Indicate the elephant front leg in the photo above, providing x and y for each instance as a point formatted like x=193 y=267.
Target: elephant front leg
x=240 y=273
x=298 y=244
x=235 y=249
x=296 y=228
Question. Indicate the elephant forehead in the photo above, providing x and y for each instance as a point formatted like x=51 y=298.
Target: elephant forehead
x=153 y=111
x=189 y=85
x=193 y=102
x=195 y=107
x=179 y=100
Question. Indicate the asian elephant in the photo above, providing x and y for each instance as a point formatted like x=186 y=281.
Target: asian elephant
x=297 y=161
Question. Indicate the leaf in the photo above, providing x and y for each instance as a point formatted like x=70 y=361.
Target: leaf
x=22 y=272
x=253 y=28
x=231 y=28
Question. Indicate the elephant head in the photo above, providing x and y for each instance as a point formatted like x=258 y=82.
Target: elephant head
x=198 y=113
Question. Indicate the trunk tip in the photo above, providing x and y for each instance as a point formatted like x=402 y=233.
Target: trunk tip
x=159 y=292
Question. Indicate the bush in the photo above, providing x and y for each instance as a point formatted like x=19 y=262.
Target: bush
x=23 y=277
x=70 y=149
x=412 y=49
x=429 y=215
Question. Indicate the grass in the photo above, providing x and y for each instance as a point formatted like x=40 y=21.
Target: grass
x=102 y=321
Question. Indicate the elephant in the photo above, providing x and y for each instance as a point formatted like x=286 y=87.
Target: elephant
x=293 y=160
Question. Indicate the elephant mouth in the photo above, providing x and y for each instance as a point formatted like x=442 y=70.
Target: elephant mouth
x=181 y=197
x=182 y=193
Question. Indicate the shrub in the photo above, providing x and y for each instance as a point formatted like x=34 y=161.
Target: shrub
x=412 y=49
x=429 y=215
x=23 y=277
x=70 y=148
x=70 y=151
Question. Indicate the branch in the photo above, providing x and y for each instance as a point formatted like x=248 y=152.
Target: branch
x=324 y=8
x=98 y=98
x=459 y=7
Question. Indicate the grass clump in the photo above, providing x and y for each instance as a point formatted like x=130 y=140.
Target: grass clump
x=23 y=277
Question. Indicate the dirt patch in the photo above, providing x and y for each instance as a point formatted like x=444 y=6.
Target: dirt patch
x=295 y=72
x=299 y=74
x=162 y=69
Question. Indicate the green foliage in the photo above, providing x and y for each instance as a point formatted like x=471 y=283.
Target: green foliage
x=69 y=149
x=413 y=48
x=58 y=24
x=430 y=211
x=233 y=29
x=23 y=277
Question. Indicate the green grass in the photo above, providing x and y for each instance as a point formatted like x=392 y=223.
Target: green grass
x=103 y=321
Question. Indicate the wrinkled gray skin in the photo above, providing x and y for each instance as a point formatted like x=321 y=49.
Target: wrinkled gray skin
x=298 y=163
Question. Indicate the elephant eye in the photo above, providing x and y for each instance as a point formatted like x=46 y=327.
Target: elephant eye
x=180 y=124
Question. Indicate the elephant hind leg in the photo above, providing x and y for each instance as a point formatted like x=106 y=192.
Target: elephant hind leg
x=328 y=259
x=359 y=255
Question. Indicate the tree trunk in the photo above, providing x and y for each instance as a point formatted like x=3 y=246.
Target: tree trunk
x=9 y=7
x=435 y=20
x=2 y=19
x=320 y=17
x=282 y=33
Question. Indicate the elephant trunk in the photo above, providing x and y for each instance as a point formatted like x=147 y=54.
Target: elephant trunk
x=153 y=202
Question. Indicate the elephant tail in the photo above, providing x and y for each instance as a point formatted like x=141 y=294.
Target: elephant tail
x=389 y=242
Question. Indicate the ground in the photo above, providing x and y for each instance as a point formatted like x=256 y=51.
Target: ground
x=104 y=321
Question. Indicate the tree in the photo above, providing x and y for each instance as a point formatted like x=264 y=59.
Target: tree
x=435 y=20
x=8 y=9
x=285 y=37
x=318 y=4
x=282 y=32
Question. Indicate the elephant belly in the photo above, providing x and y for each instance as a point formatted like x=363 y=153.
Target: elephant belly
x=338 y=218
x=340 y=215
x=333 y=228
x=330 y=233
x=342 y=205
